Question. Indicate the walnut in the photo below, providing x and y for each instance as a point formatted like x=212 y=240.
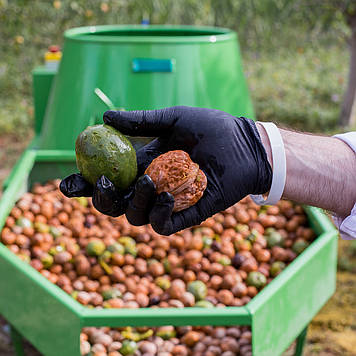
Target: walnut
x=176 y=173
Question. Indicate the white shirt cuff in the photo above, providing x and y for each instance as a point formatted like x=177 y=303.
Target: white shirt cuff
x=347 y=226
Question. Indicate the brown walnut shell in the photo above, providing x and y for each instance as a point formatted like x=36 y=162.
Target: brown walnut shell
x=176 y=173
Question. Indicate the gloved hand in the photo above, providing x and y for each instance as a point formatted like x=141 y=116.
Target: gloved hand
x=227 y=149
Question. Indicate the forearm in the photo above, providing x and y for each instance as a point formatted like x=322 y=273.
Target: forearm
x=320 y=171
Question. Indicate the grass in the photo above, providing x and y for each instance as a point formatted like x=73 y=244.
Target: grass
x=296 y=68
x=300 y=87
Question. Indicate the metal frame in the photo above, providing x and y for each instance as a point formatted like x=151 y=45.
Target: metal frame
x=52 y=320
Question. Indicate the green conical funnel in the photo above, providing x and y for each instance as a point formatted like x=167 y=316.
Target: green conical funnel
x=142 y=67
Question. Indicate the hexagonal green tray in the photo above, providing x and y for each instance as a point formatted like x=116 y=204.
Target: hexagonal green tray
x=51 y=320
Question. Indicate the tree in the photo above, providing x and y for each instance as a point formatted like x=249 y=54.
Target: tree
x=348 y=116
x=329 y=13
x=347 y=8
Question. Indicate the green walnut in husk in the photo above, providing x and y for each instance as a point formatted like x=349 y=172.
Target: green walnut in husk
x=83 y=201
x=276 y=268
x=95 y=248
x=198 y=289
x=111 y=293
x=105 y=256
x=242 y=228
x=253 y=236
x=126 y=240
x=256 y=279
x=129 y=245
x=41 y=227
x=116 y=247
x=167 y=266
x=225 y=261
x=207 y=241
x=299 y=246
x=54 y=231
x=243 y=245
x=23 y=222
x=204 y=304
x=131 y=249
x=274 y=238
x=47 y=260
x=166 y=332
x=102 y=150
x=128 y=347
x=163 y=282
x=56 y=249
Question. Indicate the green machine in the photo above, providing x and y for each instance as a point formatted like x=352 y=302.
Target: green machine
x=140 y=67
x=145 y=67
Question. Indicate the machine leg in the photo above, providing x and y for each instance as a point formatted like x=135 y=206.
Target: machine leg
x=17 y=343
x=300 y=342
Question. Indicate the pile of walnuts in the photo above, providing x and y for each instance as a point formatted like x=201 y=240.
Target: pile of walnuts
x=105 y=262
x=167 y=341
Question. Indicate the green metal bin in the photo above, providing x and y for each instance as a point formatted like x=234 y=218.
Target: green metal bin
x=142 y=67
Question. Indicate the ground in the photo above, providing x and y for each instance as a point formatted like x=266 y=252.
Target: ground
x=332 y=331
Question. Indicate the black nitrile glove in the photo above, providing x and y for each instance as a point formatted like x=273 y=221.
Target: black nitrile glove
x=227 y=149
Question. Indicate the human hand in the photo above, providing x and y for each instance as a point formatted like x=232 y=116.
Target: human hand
x=227 y=149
